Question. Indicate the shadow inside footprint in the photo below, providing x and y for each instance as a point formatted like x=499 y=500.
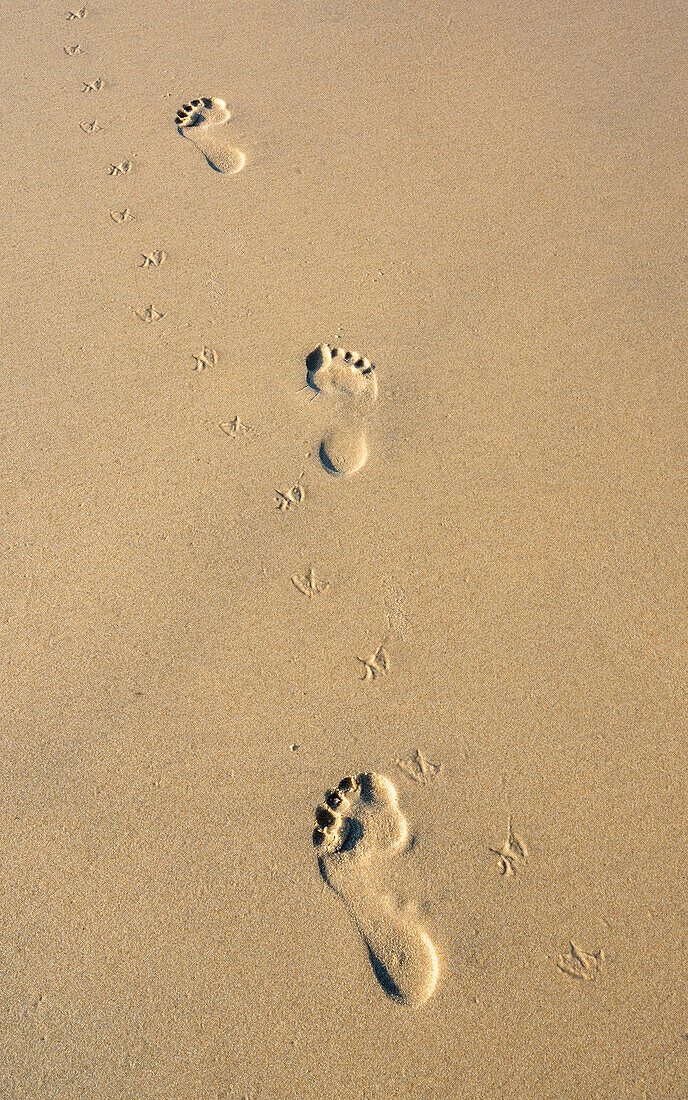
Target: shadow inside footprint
x=352 y=835
x=313 y=361
x=322 y=454
x=383 y=975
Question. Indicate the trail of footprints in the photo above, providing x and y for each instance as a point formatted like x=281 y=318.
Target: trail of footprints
x=359 y=829
x=201 y=121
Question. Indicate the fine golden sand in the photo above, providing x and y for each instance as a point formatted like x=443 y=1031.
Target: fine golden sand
x=343 y=551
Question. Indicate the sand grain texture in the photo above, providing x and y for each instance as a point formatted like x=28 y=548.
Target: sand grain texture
x=202 y=627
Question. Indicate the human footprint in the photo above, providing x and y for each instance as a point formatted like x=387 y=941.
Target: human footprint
x=348 y=381
x=358 y=829
x=202 y=122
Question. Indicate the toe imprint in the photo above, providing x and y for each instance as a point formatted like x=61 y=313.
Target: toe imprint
x=209 y=111
x=360 y=826
x=338 y=371
x=199 y=120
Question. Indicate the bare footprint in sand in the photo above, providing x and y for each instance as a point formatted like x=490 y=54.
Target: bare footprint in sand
x=359 y=828
x=348 y=380
x=202 y=122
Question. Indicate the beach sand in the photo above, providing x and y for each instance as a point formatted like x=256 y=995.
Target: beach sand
x=450 y=569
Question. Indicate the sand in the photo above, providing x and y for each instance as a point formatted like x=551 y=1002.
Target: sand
x=227 y=588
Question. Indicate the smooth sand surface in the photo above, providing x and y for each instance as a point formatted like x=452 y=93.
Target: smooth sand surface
x=203 y=630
